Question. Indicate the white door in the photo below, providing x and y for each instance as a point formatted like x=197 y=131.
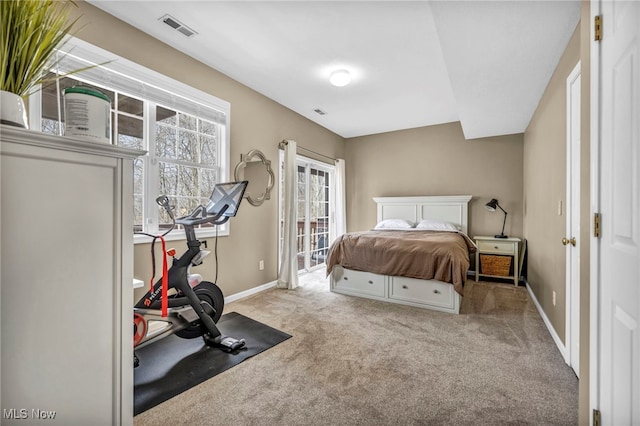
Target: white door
x=572 y=329
x=616 y=162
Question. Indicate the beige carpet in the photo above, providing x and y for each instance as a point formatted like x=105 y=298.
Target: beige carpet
x=363 y=362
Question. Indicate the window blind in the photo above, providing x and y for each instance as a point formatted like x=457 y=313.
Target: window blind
x=122 y=75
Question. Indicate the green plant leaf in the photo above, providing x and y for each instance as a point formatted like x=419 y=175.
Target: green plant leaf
x=31 y=33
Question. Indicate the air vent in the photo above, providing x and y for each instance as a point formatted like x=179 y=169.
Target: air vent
x=177 y=25
x=319 y=111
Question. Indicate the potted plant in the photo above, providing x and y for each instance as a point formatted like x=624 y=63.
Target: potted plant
x=31 y=31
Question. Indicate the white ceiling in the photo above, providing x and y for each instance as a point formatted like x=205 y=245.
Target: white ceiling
x=415 y=63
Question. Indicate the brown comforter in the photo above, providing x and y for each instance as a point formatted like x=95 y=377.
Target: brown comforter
x=428 y=255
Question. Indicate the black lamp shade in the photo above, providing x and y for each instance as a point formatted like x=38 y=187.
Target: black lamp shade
x=491 y=205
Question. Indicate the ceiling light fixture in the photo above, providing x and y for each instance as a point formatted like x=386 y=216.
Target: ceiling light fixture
x=340 y=78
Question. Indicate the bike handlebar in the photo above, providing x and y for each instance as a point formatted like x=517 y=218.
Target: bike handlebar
x=199 y=216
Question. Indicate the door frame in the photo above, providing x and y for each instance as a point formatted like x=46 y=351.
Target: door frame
x=605 y=296
x=594 y=193
x=572 y=311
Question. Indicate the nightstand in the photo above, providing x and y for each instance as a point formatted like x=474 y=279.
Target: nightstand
x=497 y=253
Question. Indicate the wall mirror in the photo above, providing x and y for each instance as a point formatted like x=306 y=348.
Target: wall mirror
x=255 y=168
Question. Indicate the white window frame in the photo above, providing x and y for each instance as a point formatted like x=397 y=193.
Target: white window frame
x=159 y=89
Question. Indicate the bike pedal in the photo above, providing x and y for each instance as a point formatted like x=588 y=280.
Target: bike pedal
x=232 y=344
x=225 y=343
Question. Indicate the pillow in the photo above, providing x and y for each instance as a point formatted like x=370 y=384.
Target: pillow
x=395 y=224
x=436 y=225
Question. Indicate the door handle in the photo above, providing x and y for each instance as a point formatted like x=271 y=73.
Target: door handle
x=572 y=241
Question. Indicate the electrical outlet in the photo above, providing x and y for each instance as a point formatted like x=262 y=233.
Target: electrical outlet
x=554 y=298
x=261 y=267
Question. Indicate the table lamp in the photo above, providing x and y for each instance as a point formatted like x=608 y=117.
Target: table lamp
x=491 y=206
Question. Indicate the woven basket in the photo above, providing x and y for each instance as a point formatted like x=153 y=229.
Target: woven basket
x=495 y=265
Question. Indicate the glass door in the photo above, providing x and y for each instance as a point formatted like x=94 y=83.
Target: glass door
x=313 y=212
x=313 y=216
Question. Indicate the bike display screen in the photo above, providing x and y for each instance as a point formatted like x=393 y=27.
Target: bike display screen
x=226 y=194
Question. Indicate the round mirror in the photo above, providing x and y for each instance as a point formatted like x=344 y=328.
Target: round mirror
x=255 y=168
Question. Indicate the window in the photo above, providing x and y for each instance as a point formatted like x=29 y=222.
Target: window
x=184 y=131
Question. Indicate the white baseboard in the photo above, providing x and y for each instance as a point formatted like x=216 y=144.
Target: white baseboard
x=545 y=319
x=249 y=292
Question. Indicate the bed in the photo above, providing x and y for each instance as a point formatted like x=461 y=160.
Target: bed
x=424 y=266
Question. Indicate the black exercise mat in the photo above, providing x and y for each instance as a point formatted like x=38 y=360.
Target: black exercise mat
x=173 y=365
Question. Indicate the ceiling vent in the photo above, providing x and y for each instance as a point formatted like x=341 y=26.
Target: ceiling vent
x=177 y=25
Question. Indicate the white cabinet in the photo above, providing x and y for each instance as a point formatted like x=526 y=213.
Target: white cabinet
x=67 y=268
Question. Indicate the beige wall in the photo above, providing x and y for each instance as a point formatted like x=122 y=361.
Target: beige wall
x=256 y=122
x=436 y=160
x=545 y=145
x=545 y=187
x=520 y=170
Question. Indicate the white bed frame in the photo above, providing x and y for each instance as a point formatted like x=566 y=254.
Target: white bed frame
x=428 y=294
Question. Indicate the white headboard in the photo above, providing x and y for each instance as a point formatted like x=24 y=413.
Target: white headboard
x=450 y=208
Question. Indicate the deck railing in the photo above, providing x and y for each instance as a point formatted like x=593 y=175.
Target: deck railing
x=318 y=244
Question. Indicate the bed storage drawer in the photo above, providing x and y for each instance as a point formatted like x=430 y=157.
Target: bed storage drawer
x=358 y=282
x=422 y=292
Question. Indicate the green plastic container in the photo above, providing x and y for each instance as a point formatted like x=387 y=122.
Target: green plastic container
x=87 y=114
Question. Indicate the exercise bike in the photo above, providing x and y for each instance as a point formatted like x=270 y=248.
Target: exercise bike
x=195 y=306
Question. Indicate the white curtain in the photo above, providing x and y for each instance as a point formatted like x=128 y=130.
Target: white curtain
x=341 y=205
x=288 y=277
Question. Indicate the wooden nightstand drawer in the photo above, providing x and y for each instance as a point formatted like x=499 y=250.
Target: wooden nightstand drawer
x=501 y=247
